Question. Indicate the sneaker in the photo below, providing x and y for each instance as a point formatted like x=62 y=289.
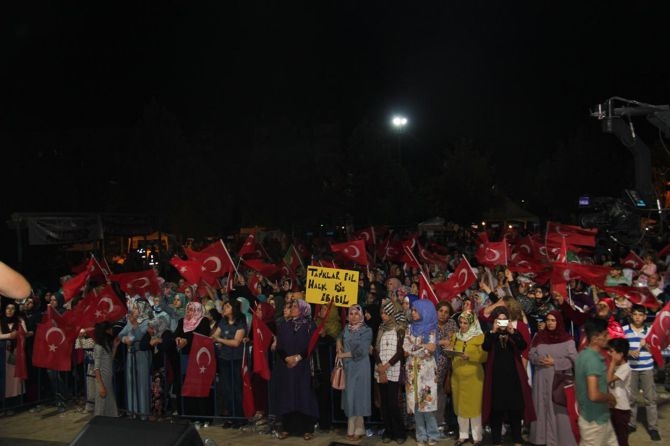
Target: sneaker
x=654 y=435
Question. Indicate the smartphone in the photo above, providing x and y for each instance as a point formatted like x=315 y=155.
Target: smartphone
x=503 y=322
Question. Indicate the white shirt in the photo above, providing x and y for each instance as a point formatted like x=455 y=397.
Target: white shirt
x=621 y=387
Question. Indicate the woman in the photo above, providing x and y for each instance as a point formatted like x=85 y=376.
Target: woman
x=388 y=354
x=552 y=350
x=138 y=361
x=9 y=328
x=506 y=391
x=160 y=342
x=419 y=346
x=103 y=369
x=467 y=379
x=194 y=321
x=353 y=347
x=229 y=335
x=296 y=402
x=446 y=327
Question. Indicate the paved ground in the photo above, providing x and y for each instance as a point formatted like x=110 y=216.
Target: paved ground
x=49 y=428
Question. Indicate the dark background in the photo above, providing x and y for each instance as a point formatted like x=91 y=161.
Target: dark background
x=219 y=114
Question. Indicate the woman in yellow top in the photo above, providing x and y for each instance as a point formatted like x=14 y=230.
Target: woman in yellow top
x=467 y=378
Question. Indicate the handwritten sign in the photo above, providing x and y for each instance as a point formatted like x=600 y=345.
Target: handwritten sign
x=326 y=284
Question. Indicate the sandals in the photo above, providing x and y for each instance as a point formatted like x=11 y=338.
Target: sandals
x=460 y=442
x=308 y=436
x=355 y=438
x=282 y=435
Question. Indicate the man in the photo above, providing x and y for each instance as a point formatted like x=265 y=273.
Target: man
x=13 y=284
x=642 y=366
x=593 y=398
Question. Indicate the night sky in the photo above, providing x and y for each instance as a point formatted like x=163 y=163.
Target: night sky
x=220 y=114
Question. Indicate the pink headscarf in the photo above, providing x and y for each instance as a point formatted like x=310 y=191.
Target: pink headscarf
x=196 y=316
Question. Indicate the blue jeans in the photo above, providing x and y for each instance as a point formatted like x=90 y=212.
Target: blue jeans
x=426 y=426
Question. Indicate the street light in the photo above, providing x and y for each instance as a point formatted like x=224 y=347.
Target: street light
x=399 y=122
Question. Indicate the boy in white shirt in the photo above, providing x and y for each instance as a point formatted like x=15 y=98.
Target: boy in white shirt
x=618 y=378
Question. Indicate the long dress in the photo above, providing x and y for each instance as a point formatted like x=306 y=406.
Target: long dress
x=138 y=371
x=294 y=385
x=421 y=375
x=552 y=426
x=103 y=361
x=357 y=372
x=467 y=379
x=13 y=385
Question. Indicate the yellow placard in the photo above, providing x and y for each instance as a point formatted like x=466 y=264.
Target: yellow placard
x=326 y=284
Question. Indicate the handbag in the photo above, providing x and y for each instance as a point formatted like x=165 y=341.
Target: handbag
x=337 y=376
x=562 y=379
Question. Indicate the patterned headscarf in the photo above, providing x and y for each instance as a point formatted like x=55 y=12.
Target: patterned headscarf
x=305 y=314
x=159 y=324
x=474 y=328
x=357 y=326
x=144 y=310
x=196 y=316
x=428 y=322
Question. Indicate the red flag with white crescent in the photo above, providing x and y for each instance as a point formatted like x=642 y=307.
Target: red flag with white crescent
x=201 y=367
x=262 y=339
x=637 y=295
x=459 y=281
x=77 y=284
x=54 y=342
x=138 y=283
x=368 y=235
x=425 y=290
x=20 y=368
x=249 y=248
x=632 y=261
x=101 y=306
x=191 y=270
x=353 y=250
x=658 y=336
x=215 y=259
x=574 y=235
x=492 y=253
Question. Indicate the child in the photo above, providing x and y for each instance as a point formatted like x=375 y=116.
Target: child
x=618 y=378
x=642 y=366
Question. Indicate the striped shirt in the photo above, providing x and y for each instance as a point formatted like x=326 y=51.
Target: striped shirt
x=645 y=361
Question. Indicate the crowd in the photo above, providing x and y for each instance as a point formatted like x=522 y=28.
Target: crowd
x=487 y=359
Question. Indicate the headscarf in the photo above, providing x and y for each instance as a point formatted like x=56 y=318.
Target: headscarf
x=357 y=326
x=181 y=311
x=144 y=310
x=304 y=316
x=196 y=316
x=391 y=309
x=473 y=330
x=555 y=336
x=269 y=312
x=428 y=322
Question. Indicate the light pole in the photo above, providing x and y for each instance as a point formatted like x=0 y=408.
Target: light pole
x=399 y=122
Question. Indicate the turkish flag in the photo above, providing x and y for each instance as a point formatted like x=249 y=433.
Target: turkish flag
x=574 y=235
x=292 y=258
x=53 y=346
x=100 y=268
x=591 y=274
x=249 y=248
x=658 y=336
x=459 y=281
x=573 y=410
x=262 y=339
x=492 y=253
x=368 y=235
x=430 y=258
x=248 y=407
x=76 y=285
x=632 y=261
x=215 y=260
x=266 y=269
x=20 y=368
x=353 y=250
x=100 y=306
x=138 y=283
x=425 y=290
x=637 y=295
x=409 y=258
x=255 y=284
x=522 y=263
x=191 y=270
x=201 y=367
